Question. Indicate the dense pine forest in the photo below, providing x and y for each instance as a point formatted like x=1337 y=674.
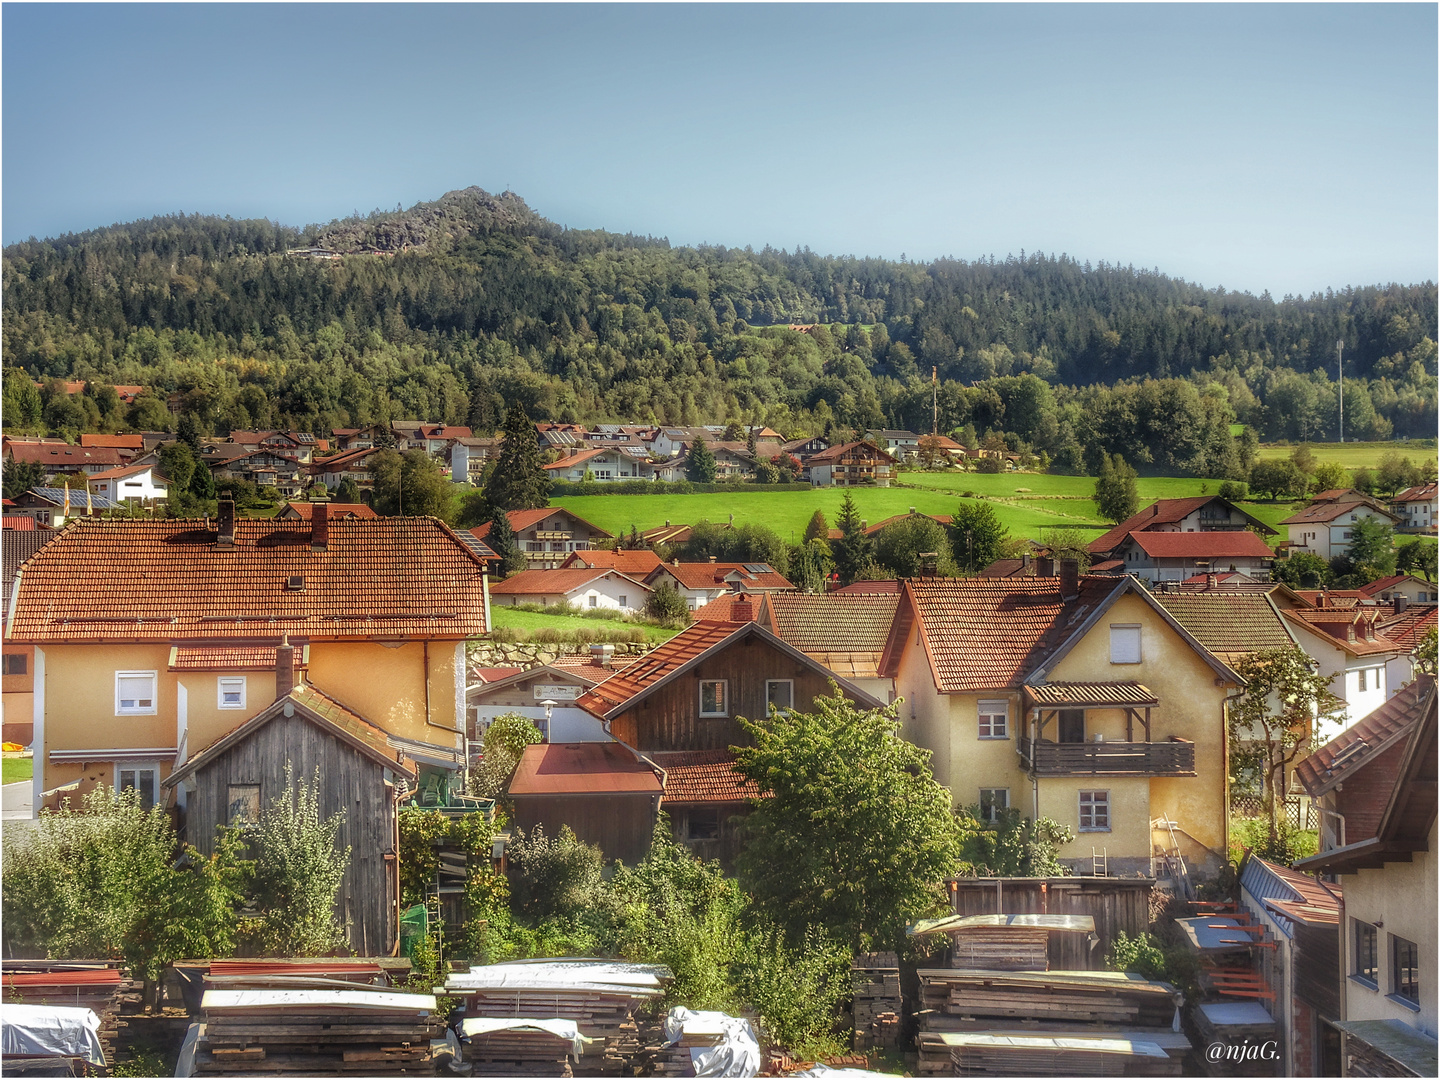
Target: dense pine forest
x=452 y=309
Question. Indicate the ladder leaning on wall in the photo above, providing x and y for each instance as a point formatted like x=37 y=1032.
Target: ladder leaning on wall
x=1171 y=857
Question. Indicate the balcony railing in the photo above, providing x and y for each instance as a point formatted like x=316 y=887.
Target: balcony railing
x=1175 y=757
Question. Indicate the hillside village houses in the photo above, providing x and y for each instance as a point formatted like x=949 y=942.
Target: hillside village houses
x=1324 y=527
x=1418 y=508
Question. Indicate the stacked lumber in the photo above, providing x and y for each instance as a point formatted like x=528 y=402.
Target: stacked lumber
x=729 y=1043
x=317 y=1032
x=875 y=987
x=600 y=996
x=521 y=1047
x=100 y=987
x=1084 y=997
x=1092 y=1053
x=1000 y=948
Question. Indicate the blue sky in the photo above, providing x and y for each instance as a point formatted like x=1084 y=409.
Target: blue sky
x=1283 y=147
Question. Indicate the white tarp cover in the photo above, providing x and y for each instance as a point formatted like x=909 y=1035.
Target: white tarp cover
x=1105 y=1044
x=317 y=999
x=736 y=1052
x=565 y=1029
x=51 y=1031
x=185 y=1063
x=825 y=1072
x=597 y=976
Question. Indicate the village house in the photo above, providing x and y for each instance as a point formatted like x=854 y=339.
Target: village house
x=1418 y=508
x=299 y=446
x=1349 y=646
x=130 y=483
x=586 y=588
x=851 y=464
x=348 y=465
x=277 y=469
x=1156 y=556
x=1197 y=514
x=112 y=662
x=548 y=535
x=1302 y=916
x=1324 y=527
x=603 y=465
x=1411 y=588
x=701 y=582
x=673 y=716
x=1077 y=698
x=19 y=660
x=636 y=564
x=1377 y=784
x=52 y=507
x=546 y=693
x=305 y=511
x=61 y=459
x=899 y=444
x=802 y=450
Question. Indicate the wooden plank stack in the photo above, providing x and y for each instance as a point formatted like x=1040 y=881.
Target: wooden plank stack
x=1000 y=948
x=875 y=985
x=317 y=1032
x=101 y=987
x=519 y=1051
x=1083 y=997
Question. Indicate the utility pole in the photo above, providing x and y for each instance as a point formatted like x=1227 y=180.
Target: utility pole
x=935 y=400
x=1340 y=352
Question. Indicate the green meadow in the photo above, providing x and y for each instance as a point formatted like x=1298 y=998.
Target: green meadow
x=1358 y=455
x=528 y=623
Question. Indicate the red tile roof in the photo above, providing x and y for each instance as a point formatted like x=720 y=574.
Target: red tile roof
x=987 y=633
x=708 y=575
x=494 y=674
x=304 y=510
x=59 y=456
x=1161 y=512
x=587 y=667
x=1421 y=493
x=722 y=608
x=1329 y=598
x=1377 y=587
x=120 y=442
x=1312 y=902
x=556 y=582
x=702 y=776
x=870 y=588
x=126 y=470
x=20 y=523
x=839 y=453
x=524 y=519
x=655 y=665
x=1202 y=545
x=580 y=458
x=1328 y=511
x=228 y=658
x=118 y=579
x=634 y=563
x=1407 y=628
x=582 y=768
x=1331 y=765
x=1334 y=626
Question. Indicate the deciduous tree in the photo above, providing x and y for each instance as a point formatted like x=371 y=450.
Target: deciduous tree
x=977 y=537
x=1116 y=495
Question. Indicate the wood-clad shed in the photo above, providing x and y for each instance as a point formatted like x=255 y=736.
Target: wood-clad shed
x=234 y=778
x=1116 y=904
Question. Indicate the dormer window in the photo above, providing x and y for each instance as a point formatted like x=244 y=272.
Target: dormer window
x=295 y=583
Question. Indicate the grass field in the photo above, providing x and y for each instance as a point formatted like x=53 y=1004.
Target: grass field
x=530 y=621
x=16 y=769
x=1358 y=455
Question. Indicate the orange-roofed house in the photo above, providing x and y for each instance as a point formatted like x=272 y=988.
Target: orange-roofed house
x=636 y=564
x=548 y=535
x=673 y=712
x=587 y=588
x=853 y=464
x=134 y=442
x=302 y=511
x=1325 y=527
x=701 y=582
x=1349 y=645
x=1155 y=556
x=1076 y=698
x=154 y=638
x=604 y=465
x=1196 y=514
x=129 y=483
x=1418 y=508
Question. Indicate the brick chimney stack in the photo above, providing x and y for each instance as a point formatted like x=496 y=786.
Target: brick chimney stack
x=742 y=610
x=225 y=524
x=1045 y=566
x=1069 y=579
x=320 y=527
x=284 y=667
x=1401 y=603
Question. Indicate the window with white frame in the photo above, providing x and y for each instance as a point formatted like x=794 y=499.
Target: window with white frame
x=594 y=600
x=1361 y=676
x=994 y=719
x=713 y=697
x=992 y=801
x=144 y=779
x=231 y=692
x=1125 y=644
x=780 y=694
x=624 y=600
x=1094 y=811
x=135 y=693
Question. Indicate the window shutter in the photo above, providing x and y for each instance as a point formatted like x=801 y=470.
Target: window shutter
x=1125 y=644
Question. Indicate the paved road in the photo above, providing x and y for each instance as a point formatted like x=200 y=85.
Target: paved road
x=16 y=800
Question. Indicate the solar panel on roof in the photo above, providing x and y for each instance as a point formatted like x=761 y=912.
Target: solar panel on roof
x=757 y=568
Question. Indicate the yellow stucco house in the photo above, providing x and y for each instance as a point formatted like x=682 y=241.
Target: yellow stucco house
x=1076 y=698
x=153 y=639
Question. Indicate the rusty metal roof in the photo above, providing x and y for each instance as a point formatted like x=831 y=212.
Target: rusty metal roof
x=608 y=768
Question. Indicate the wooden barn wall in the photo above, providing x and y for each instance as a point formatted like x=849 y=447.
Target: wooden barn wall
x=1115 y=904
x=620 y=825
x=669 y=719
x=349 y=781
x=1317 y=968
x=726 y=847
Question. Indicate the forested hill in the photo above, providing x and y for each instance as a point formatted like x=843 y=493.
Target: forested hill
x=446 y=310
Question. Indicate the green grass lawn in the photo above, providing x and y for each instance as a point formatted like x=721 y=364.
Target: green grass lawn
x=1358 y=455
x=16 y=769
x=531 y=621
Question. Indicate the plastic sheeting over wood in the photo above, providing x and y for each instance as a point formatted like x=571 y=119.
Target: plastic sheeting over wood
x=599 y=976
x=733 y=1050
x=563 y=1029
x=51 y=1031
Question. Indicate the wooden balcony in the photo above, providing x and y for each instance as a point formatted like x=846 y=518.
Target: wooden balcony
x=1174 y=757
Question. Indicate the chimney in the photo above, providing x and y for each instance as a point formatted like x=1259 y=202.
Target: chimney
x=1045 y=566
x=1025 y=563
x=1069 y=579
x=1322 y=600
x=320 y=527
x=225 y=524
x=1401 y=603
x=912 y=511
x=1211 y=582
x=603 y=655
x=284 y=667
x=742 y=610
x=712 y=558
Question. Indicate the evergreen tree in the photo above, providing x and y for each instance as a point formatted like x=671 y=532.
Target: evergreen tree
x=188 y=433
x=1116 y=495
x=700 y=466
x=518 y=481
x=819 y=528
x=501 y=539
x=347 y=491
x=854 y=551
x=202 y=482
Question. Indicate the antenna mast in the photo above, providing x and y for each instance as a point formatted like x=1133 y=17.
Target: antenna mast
x=1340 y=352
x=935 y=400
